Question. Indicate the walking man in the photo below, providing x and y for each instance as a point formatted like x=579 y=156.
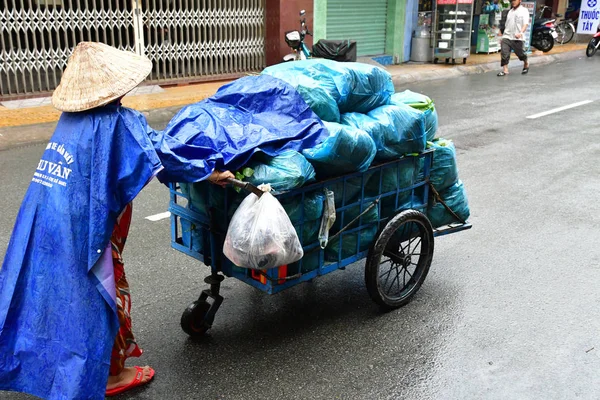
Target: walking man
x=513 y=37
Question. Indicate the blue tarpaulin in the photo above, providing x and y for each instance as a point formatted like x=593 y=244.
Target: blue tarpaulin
x=57 y=292
x=251 y=114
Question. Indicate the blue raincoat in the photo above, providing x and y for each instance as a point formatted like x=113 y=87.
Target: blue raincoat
x=58 y=317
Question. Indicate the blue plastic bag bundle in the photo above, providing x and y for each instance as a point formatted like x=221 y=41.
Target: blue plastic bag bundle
x=321 y=88
x=444 y=171
x=345 y=193
x=204 y=195
x=192 y=236
x=313 y=211
x=355 y=87
x=286 y=171
x=455 y=198
x=349 y=241
x=392 y=179
x=371 y=87
x=347 y=149
x=402 y=131
x=312 y=207
x=422 y=103
x=252 y=114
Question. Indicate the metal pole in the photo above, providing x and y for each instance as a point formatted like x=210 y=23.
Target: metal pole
x=138 y=27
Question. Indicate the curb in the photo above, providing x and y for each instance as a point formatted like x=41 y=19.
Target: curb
x=458 y=71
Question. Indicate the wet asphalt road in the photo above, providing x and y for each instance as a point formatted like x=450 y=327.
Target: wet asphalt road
x=509 y=309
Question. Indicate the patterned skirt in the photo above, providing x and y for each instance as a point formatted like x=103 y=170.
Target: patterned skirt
x=125 y=345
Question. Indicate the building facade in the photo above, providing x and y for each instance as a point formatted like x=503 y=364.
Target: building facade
x=187 y=40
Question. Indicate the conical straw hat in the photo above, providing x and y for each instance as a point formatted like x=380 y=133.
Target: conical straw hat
x=98 y=74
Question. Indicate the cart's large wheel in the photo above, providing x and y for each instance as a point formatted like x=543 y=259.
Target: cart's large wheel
x=193 y=320
x=399 y=260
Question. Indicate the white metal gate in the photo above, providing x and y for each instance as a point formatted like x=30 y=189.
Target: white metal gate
x=187 y=40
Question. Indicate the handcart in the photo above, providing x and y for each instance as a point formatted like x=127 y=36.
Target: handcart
x=386 y=223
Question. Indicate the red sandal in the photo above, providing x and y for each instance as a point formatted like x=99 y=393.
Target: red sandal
x=137 y=381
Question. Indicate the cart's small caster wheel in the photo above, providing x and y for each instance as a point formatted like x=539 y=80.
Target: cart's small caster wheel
x=193 y=320
x=399 y=259
x=464 y=60
x=435 y=60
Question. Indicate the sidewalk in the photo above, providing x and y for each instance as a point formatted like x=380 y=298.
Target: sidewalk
x=33 y=120
x=479 y=63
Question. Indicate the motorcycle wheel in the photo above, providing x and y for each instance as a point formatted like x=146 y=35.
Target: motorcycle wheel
x=546 y=43
x=592 y=47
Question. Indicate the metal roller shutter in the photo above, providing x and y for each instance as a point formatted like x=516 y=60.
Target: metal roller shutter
x=360 y=20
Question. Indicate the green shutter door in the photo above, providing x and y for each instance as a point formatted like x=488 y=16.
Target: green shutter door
x=360 y=20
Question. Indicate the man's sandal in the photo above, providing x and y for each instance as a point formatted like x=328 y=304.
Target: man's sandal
x=525 y=70
x=502 y=73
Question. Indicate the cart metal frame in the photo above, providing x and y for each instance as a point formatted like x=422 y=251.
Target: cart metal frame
x=210 y=231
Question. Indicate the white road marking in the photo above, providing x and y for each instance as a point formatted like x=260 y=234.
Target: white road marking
x=158 y=217
x=555 y=110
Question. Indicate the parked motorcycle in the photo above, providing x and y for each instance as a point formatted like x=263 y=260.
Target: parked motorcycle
x=544 y=34
x=337 y=50
x=593 y=45
x=565 y=29
x=295 y=39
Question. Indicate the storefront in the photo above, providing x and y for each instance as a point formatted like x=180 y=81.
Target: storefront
x=379 y=27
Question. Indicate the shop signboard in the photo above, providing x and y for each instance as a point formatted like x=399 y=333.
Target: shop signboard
x=589 y=16
x=530 y=6
x=446 y=2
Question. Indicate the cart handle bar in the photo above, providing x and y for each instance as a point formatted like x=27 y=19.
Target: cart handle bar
x=245 y=185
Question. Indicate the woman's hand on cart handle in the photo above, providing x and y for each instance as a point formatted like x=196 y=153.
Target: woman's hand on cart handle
x=220 y=177
x=245 y=185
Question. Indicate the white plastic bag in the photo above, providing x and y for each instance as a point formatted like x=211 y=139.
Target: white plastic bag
x=261 y=235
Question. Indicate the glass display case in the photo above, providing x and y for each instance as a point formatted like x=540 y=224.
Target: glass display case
x=488 y=40
x=451 y=31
